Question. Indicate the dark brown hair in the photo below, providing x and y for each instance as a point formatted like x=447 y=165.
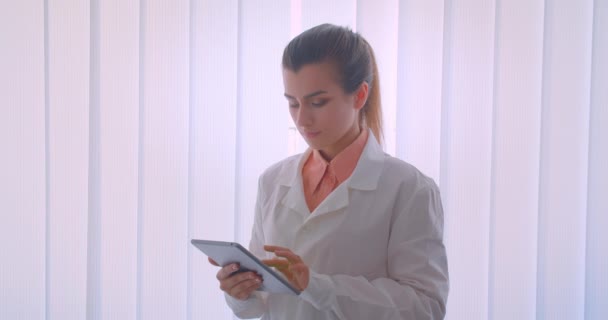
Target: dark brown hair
x=354 y=59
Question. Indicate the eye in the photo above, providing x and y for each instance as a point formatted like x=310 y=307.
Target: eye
x=318 y=103
x=293 y=103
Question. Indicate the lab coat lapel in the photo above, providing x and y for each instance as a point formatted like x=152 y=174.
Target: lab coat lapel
x=294 y=199
x=291 y=178
x=335 y=201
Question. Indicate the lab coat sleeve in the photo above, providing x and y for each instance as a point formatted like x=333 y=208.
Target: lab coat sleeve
x=417 y=282
x=255 y=306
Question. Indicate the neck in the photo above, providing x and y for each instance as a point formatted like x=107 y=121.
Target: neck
x=346 y=140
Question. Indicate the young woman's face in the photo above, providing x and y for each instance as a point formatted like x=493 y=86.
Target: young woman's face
x=325 y=115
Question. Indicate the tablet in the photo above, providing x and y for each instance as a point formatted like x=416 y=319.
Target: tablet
x=225 y=253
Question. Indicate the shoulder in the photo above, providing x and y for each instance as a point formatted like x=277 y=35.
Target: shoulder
x=417 y=195
x=280 y=172
x=406 y=175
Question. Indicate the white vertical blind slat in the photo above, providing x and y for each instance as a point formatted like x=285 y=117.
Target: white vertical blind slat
x=22 y=165
x=68 y=23
x=165 y=119
x=93 y=285
x=467 y=146
x=118 y=158
x=339 y=12
x=564 y=160
x=596 y=291
x=263 y=33
x=419 y=67
x=516 y=144
x=213 y=75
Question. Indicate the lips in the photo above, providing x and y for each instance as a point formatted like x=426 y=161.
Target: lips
x=311 y=135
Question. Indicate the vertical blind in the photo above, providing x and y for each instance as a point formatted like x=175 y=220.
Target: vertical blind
x=128 y=128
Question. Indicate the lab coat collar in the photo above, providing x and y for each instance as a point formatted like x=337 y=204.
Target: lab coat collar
x=364 y=177
x=368 y=169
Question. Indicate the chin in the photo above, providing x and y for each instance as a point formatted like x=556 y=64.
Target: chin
x=313 y=144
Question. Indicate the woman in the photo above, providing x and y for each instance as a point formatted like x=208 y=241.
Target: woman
x=358 y=231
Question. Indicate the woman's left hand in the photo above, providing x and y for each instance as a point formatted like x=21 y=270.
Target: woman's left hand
x=289 y=264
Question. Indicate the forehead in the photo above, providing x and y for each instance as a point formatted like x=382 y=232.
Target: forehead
x=310 y=78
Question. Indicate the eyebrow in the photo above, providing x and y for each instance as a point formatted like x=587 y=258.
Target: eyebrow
x=316 y=93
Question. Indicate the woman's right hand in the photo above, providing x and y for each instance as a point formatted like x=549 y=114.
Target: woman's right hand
x=237 y=285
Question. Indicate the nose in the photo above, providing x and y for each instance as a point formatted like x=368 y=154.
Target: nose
x=304 y=117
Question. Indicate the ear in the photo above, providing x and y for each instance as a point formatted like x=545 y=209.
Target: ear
x=361 y=95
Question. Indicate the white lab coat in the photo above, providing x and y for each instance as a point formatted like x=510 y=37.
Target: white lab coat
x=374 y=245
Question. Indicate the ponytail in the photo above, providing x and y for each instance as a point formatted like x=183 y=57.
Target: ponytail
x=372 y=110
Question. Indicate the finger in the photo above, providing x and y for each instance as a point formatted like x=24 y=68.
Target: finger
x=213 y=262
x=229 y=284
x=276 y=263
x=226 y=271
x=253 y=286
x=269 y=248
x=290 y=256
x=243 y=289
x=283 y=252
